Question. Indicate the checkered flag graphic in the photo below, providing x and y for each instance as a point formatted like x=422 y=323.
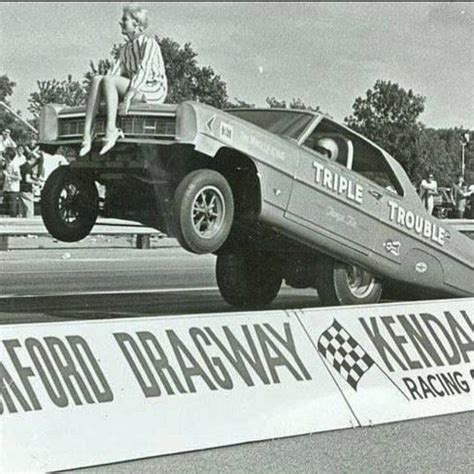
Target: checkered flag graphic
x=344 y=353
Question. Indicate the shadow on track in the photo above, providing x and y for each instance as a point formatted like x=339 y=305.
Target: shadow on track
x=49 y=308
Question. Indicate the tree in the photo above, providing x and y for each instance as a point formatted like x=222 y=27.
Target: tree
x=297 y=104
x=433 y=156
x=67 y=92
x=274 y=103
x=19 y=132
x=186 y=80
x=239 y=104
x=6 y=88
x=388 y=115
x=440 y=153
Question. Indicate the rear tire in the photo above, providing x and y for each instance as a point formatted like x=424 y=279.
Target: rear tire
x=344 y=284
x=69 y=205
x=247 y=279
x=203 y=211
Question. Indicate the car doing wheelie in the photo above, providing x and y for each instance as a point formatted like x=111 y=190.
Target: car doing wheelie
x=276 y=195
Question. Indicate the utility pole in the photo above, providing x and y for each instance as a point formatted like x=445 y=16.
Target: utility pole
x=464 y=143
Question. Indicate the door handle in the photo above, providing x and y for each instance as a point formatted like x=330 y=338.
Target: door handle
x=374 y=193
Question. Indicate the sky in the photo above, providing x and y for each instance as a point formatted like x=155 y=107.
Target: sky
x=327 y=54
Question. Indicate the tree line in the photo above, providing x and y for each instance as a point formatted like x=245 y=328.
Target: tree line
x=387 y=114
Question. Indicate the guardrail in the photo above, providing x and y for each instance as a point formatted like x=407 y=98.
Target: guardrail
x=465 y=226
x=13 y=227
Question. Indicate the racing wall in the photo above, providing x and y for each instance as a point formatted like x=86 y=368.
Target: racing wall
x=83 y=393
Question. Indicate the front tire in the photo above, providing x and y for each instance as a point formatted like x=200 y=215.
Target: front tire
x=344 y=284
x=203 y=211
x=247 y=279
x=69 y=205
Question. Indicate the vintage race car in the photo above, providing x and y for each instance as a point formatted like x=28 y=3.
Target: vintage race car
x=275 y=194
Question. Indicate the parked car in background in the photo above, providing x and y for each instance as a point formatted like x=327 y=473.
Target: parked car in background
x=443 y=204
x=276 y=195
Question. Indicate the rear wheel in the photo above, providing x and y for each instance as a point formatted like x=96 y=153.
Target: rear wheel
x=344 y=284
x=203 y=211
x=247 y=279
x=69 y=205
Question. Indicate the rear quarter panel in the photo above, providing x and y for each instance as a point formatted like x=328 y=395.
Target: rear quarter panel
x=418 y=248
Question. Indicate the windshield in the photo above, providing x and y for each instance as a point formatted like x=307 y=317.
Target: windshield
x=286 y=124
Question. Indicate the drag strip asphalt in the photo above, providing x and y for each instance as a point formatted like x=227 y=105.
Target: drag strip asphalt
x=87 y=283
x=439 y=444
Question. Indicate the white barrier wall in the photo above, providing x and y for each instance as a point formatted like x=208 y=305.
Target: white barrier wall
x=398 y=361
x=84 y=393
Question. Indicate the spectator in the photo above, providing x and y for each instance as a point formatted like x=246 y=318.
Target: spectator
x=27 y=204
x=11 y=184
x=48 y=163
x=34 y=148
x=428 y=190
x=20 y=154
x=6 y=141
x=471 y=210
x=460 y=195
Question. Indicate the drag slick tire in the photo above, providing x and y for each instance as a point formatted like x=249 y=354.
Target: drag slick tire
x=203 y=211
x=69 y=205
x=344 y=284
x=247 y=279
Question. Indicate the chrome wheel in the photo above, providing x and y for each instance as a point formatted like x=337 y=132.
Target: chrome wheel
x=208 y=212
x=340 y=283
x=68 y=207
x=359 y=282
x=203 y=209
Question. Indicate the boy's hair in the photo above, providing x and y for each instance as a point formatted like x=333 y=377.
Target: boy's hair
x=9 y=152
x=139 y=14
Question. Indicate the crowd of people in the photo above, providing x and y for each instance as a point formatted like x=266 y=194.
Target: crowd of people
x=461 y=196
x=25 y=169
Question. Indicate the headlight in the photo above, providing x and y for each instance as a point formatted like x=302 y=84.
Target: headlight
x=48 y=129
x=186 y=123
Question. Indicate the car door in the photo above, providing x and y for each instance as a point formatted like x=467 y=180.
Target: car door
x=336 y=208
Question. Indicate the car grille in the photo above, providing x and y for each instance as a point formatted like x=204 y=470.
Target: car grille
x=132 y=126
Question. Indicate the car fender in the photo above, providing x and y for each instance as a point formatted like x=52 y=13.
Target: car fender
x=210 y=130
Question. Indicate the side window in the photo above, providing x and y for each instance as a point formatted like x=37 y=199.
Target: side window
x=333 y=146
x=348 y=149
x=371 y=163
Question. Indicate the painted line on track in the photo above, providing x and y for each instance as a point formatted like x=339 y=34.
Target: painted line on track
x=94 y=260
x=92 y=270
x=113 y=292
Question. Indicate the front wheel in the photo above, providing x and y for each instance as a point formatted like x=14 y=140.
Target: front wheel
x=203 y=211
x=69 y=205
x=247 y=279
x=344 y=284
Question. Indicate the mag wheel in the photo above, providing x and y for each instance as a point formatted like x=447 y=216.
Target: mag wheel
x=247 y=279
x=69 y=205
x=203 y=211
x=345 y=284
